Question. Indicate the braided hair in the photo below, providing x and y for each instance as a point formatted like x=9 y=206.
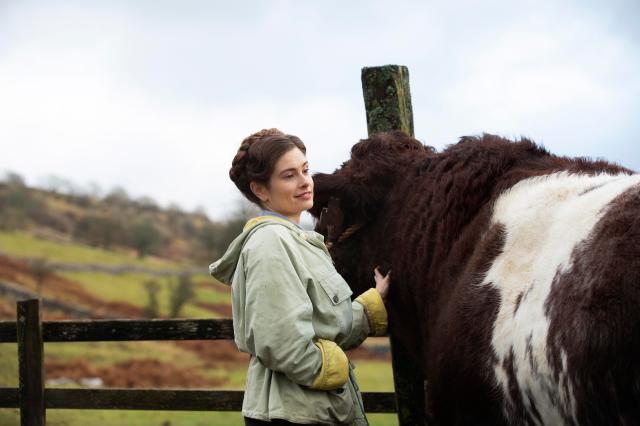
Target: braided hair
x=257 y=156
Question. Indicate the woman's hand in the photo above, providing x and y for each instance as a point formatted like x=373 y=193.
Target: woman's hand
x=382 y=283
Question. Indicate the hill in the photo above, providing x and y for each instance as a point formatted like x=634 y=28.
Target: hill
x=115 y=221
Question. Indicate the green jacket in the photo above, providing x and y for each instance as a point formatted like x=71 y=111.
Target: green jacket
x=293 y=313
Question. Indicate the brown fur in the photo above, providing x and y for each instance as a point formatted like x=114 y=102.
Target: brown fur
x=423 y=215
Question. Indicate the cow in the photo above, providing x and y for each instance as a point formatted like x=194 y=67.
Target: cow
x=515 y=273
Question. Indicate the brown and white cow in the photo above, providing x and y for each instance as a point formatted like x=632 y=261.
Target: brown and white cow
x=515 y=273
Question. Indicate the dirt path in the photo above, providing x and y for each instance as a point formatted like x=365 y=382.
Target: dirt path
x=139 y=373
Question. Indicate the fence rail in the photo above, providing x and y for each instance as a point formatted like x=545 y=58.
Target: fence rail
x=33 y=399
x=125 y=330
x=163 y=399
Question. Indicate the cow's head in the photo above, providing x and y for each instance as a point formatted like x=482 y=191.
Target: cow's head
x=349 y=203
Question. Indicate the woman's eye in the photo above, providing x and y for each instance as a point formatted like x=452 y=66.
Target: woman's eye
x=305 y=171
x=288 y=176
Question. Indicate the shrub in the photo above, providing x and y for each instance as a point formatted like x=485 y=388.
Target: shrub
x=41 y=269
x=145 y=237
x=180 y=293
x=152 y=287
x=103 y=231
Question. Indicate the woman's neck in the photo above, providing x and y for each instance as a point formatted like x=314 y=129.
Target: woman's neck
x=295 y=219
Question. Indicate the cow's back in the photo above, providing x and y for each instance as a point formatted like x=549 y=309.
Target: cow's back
x=560 y=282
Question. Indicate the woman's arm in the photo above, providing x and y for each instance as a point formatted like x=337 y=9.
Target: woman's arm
x=369 y=312
x=278 y=314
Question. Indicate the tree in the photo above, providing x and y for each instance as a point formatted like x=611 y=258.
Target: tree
x=200 y=211
x=99 y=230
x=147 y=204
x=152 y=288
x=174 y=214
x=56 y=184
x=12 y=219
x=19 y=204
x=14 y=179
x=41 y=269
x=145 y=237
x=180 y=293
x=209 y=238
x=21 y=197
x=118 y=196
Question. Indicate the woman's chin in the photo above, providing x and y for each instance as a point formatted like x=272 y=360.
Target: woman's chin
x=307 y=204
x=303 y=205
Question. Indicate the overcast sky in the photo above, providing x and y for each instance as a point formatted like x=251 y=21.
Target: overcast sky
x=155 y=96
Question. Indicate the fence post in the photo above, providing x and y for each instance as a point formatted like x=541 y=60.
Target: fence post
x=31 y=363
x=387 y=101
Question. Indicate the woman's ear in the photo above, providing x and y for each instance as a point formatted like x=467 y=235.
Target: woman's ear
x=259 y=190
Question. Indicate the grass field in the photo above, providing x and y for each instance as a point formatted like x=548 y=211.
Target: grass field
x=130 y=289
x=21 y=244
x=371 y=375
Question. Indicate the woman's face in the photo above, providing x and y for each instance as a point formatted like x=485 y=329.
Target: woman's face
x=290 y=189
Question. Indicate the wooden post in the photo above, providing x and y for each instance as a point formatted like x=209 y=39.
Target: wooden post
x=387 y=101
x=31 y=363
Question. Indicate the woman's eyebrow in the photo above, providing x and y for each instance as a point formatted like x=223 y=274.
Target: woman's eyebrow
x=306 y=163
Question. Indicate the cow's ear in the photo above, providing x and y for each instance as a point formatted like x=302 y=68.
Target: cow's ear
x=363 y=183
x=345 y=197
x=331 y=222
x=326 y=187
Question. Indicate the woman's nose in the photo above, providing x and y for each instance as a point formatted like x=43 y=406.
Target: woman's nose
x=305 y=181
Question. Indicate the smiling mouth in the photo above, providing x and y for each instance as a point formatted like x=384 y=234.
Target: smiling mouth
x=303 y=194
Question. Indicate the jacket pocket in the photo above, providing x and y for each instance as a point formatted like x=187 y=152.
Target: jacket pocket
x=336 y=288
x=342 y=405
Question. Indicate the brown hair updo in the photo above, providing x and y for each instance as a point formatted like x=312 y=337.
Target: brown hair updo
x=257 y=157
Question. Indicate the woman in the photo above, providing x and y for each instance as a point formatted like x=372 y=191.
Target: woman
x=291 y=310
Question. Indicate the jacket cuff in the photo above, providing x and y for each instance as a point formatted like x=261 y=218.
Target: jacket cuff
x=335 y=366
x=375 y=310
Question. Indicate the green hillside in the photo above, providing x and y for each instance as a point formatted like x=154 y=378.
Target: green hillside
x=115 y=221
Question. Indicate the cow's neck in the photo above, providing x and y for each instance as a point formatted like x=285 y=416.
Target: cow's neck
x=429 y=240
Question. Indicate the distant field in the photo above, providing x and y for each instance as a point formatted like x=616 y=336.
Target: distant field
x=211 y=301
x=130 y=288
x=21 y=244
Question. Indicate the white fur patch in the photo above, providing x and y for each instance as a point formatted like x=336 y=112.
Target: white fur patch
x=545 y=218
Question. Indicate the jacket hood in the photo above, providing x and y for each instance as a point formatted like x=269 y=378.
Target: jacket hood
x=224 y=268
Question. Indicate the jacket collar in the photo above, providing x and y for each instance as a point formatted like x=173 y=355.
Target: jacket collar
x=269 y=218
x=223 y=268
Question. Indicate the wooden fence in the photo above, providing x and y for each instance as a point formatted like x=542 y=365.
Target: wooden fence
x=33 y=399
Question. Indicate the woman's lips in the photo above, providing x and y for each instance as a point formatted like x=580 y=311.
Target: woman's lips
x=305 y=195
